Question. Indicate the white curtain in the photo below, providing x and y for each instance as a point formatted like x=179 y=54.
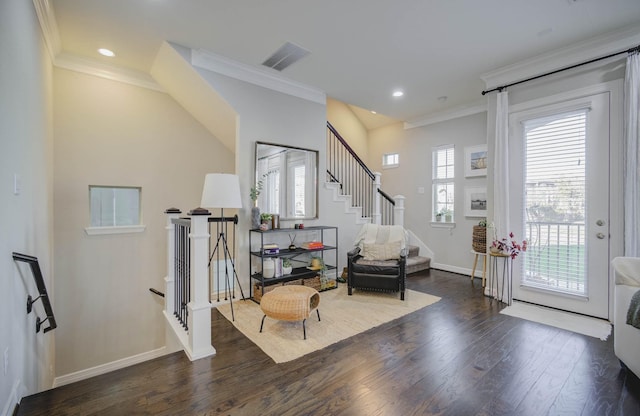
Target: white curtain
x=632 y=152
x=500 y=186
x=501 y=168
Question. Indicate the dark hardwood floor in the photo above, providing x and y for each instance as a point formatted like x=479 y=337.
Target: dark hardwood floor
x=459 y=356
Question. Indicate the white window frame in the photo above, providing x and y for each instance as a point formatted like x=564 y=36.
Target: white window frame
x=394 y=164
x=437 y=181
x=115 y=229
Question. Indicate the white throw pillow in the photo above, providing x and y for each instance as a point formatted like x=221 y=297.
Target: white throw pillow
x=388 y=251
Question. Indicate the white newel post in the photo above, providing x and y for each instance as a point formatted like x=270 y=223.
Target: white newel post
x=169 y=280
x=199 y=318
x=377 y=211
x=398 y=210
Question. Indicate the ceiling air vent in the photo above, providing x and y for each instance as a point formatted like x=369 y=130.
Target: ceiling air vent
x=288 y=54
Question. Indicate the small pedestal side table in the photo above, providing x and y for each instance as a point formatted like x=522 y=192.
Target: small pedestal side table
x=484 y=266
x=506 y=275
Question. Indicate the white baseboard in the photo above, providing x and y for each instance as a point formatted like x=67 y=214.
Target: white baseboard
x=454 y=269
x=108 y=367
x=13 y=399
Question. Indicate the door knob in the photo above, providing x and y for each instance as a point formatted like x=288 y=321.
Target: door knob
x=600 y=236
x=600 y=223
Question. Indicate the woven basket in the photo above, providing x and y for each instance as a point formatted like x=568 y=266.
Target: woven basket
x=479 y=241
x=313 y=282
x=257 y=290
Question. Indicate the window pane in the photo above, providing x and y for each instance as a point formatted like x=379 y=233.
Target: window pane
x=114 y=206
x=444 y=163
x=299 y=175
x=443 y=175
x=555 y=202
x=444 y=195
x=390 y=159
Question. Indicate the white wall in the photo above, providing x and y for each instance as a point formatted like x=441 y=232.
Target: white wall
x=25 y=219
x=111 y=133
x=451 y=246
x=269 y=116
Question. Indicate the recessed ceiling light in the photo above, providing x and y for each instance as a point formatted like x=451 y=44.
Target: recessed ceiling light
x=373 y=112
x=398 y=93
x=106 y=52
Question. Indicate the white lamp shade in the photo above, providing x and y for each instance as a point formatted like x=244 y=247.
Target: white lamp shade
x=221 y=190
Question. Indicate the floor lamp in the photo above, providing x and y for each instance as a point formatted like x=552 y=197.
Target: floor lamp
x=222 y=190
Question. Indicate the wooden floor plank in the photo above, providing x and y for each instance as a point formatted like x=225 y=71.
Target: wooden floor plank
x=459 y=356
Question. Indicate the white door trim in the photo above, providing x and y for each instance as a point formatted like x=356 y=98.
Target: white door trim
x=616 y=202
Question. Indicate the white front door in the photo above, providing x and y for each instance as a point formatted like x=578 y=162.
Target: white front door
x=562 y=203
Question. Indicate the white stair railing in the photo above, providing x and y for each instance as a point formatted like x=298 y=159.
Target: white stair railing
x=187 y=298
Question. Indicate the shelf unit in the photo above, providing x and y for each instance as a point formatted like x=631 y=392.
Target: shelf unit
x=299 y=255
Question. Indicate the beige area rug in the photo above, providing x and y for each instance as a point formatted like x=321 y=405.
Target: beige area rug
x=342 y=316
x=593 y=327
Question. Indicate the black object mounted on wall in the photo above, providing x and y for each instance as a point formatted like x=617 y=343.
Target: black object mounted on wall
x=42 y=293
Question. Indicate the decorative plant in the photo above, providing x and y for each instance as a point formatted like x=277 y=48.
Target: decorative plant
x=509 y=246
x=255 y=191
x=318 y=262
x=286 y=262
x=483 y=223
x=264 y=217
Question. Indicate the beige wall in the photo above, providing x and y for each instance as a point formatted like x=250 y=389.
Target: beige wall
x=110 y=133
x=350 y=128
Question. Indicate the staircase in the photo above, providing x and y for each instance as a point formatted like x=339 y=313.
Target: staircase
x=349 y=207
x=415 y=262
x=358 y=188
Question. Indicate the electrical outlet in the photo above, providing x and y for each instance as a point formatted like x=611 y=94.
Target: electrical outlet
x=6 y=361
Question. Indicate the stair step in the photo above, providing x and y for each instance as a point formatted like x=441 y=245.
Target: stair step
x=418 y=263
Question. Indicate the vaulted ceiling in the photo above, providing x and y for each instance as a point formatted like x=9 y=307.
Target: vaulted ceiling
x=360 y=50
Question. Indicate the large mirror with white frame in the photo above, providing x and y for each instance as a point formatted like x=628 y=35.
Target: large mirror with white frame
x=288 y=177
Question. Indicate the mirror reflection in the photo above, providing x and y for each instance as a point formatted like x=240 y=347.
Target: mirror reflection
x=289 y=180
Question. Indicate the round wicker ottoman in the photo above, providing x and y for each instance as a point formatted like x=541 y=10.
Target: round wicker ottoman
x=290 y=303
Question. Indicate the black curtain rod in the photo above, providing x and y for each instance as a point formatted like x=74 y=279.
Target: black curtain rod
x=631 y=50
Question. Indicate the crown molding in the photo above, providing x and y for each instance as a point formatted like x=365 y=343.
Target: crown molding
x=60 y=59
x=449 y=114
x=49 y=26
x=228 y=67
x=583 y=51
x=98 y=69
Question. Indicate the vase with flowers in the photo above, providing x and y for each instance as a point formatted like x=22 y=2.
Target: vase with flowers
x=508 y=246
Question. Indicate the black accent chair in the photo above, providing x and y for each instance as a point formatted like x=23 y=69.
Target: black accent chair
x=380 y=275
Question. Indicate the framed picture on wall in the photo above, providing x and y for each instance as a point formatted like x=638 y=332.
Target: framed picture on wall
x=475 y=201
x=475 y=161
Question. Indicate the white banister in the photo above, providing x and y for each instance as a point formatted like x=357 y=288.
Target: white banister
x=377 y=212
x=188 y=280
x=398 y=210
x=169 y=280
x=199 y=307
